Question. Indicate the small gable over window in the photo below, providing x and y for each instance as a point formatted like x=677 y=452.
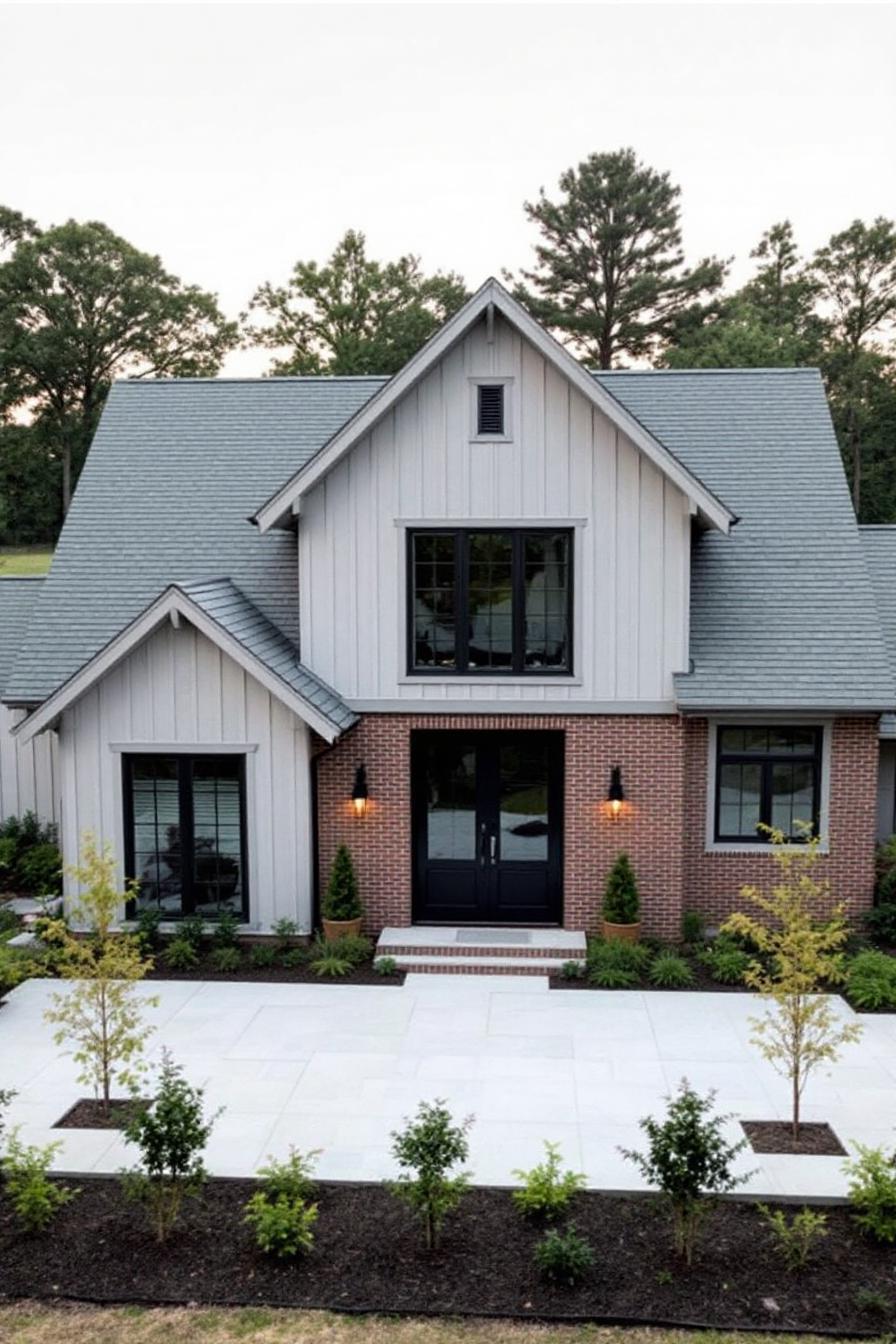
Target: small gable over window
x=490 y=408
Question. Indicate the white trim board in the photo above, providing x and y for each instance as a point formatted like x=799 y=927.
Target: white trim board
x=172 y=600
x=279 y=508
x=714 y=846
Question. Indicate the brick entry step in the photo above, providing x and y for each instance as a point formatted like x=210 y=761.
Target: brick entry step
x=477 y=951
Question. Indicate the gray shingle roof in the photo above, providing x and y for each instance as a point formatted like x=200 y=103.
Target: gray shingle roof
x=879 y=546
x=17 y=600
x=782 y=611
x=175 y=469
x=223 y=602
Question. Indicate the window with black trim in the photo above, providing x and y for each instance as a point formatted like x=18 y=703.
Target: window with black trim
x=490 y=601
x=185 y=833
x=767 y=776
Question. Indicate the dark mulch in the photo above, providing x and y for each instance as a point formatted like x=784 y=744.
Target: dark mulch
x=702 y=981
x=88 y=1113
x=368 y=1256
x=776 y=1136
x=277 y=975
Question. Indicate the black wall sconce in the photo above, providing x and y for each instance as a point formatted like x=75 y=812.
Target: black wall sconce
x=615 y=793
x=360 y=792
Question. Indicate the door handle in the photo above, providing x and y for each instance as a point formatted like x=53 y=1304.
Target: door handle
x=483 y=852
x=493 y=845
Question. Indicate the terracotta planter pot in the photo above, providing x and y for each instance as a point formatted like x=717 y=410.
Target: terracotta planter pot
x=621 y=933
x=339 y=928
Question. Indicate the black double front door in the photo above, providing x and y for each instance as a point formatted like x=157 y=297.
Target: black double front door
x=488 y=827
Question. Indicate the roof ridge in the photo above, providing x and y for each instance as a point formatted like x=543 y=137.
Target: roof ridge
x=712 y=373
x=213 y=381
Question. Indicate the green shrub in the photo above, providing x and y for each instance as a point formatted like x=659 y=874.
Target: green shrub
x=563 y=1257
x=332 y=965
x=351 y=948
x=547 y=1191
x=294 y=958
x=18 y=964
x=794 y=1238
x=572 y=970
x=670 y=971
x=429 y=1147
x=172 y=1137
x=39 y=870
x=181 y=954
x=617 y=964
x=693 y=927
x=726 y=962
x=9 y=922
x=226 y=928
x=872 y=1192
x=621 y=904
x=873 y=1300
x=147 y=932
x=192 y=930
x=283 y=1227
x=7 y=858
x=881 y=923
x=284 y=930
x=689 y=1160
x=341 y=899
x=226 y=958
x=34 y=1197
x=885 y=870
x=262 y=955
x=385 y=966
x=871 y=980
x=280 y=1212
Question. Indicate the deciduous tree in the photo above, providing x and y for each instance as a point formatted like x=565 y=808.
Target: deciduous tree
x=353 y=315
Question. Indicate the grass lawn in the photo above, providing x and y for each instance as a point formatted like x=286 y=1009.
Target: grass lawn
x=18 y=560
x=29 y=1323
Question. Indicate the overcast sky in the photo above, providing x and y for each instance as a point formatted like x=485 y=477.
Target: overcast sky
x=232 y=139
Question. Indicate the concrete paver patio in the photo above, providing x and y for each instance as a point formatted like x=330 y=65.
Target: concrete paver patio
x=338 y=1068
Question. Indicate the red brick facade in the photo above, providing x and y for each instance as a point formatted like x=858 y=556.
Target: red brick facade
x=663 y=825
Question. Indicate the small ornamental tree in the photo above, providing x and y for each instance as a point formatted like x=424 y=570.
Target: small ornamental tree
x=172 y=1137
x=430 y=1146
x=621 y=903
x=798 y=957
x=101 y=1013
x=689 y=1160
x=341 y=900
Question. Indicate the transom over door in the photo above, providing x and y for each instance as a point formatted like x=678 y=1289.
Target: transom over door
x=488 y=827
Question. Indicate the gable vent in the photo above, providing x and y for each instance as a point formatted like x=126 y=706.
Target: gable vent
x=490 y=408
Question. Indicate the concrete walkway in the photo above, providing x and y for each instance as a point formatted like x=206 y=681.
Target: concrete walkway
x=339 y=1067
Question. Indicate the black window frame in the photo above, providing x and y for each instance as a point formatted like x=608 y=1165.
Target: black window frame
x=184 y=762
x=767 y=760
x=461 y=611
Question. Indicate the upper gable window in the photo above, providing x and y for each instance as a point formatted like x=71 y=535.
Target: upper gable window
x=491 y=404
x=490 y=601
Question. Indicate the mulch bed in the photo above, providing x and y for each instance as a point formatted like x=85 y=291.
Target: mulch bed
x=702 y=981
x=368 y=1256
x=776 y=1136
x=88 y=1113
x=276 y=975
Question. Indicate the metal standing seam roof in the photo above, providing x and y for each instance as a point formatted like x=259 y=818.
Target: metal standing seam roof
x=222 y=602
x=17 y=600
x=782 y=610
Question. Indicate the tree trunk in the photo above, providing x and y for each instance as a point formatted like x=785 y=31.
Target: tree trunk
x=796 y=1107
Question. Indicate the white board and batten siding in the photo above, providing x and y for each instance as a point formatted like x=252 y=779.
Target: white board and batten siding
x=177 y=692
x=28 y=771
x=567 y=465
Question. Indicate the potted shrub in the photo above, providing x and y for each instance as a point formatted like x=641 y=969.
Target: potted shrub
x=621 y=908
x=341 y=908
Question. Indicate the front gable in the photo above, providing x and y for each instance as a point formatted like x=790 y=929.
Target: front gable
x=490 y=302
x=561 y=462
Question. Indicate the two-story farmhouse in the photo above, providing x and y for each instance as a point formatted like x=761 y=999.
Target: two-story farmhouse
x=443 y=618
